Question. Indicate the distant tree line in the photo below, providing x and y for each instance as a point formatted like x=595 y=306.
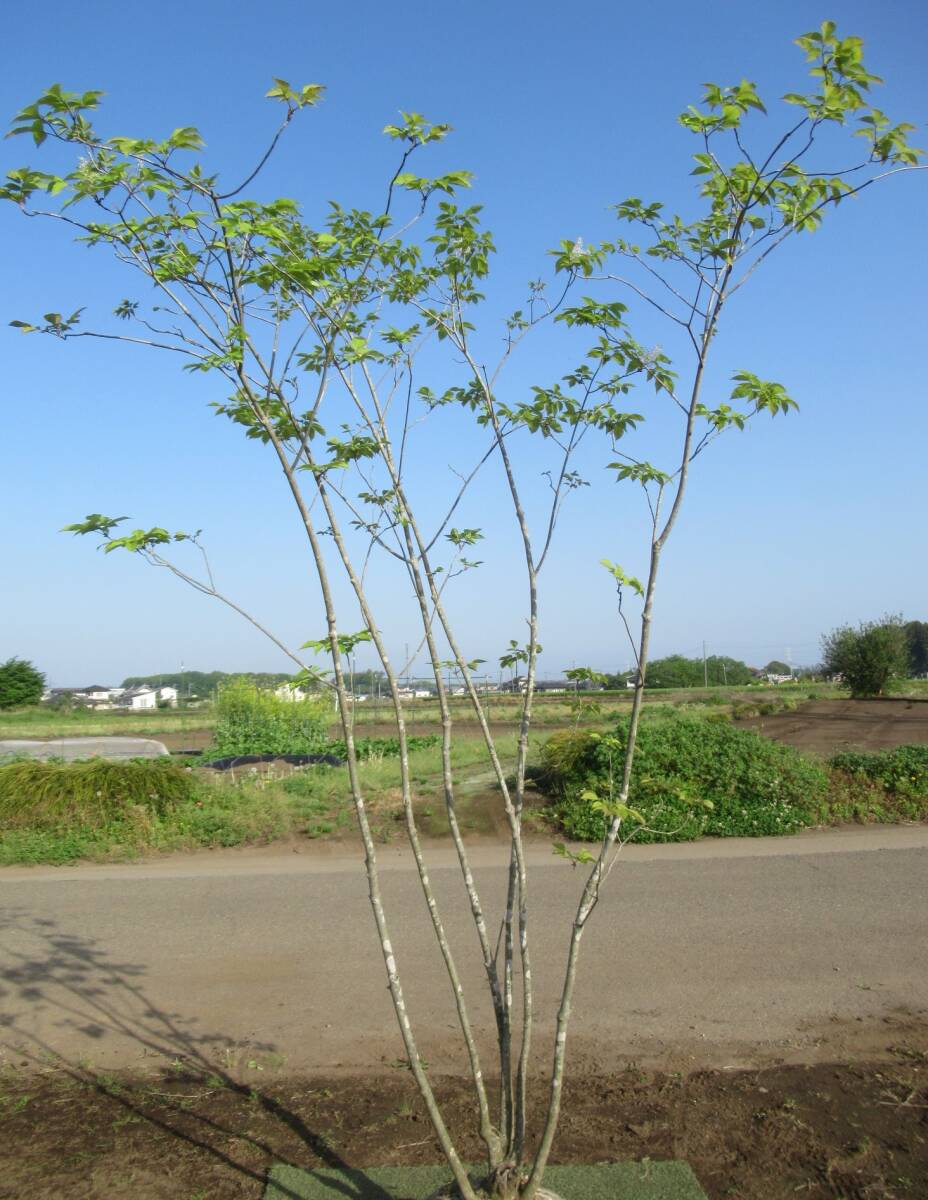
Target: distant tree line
x=203 y=684
x=678 y=671
x=910 y=652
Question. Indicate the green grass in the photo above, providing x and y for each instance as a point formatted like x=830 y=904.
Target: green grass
x=42 y=722
x=254 y=806
x=246 y=806
x=89 y=794
x=883 y=787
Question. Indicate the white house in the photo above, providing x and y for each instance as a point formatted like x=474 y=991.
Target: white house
x=139 y=698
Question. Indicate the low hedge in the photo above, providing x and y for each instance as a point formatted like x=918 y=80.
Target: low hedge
x=91 y=794
x=755 y=786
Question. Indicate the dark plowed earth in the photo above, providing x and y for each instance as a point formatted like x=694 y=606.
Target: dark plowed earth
x=827 y=726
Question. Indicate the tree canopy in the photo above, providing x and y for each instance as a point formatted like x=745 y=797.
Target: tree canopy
x=20 y=683
x=676 y=671
x=869 y=657
x=916 y=637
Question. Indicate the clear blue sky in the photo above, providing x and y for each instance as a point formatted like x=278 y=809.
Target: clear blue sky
x=792 y=528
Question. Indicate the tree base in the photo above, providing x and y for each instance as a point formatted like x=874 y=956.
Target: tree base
x=451 y=1192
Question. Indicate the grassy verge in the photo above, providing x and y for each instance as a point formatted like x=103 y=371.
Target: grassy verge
x=81 y=722
x=756 y=787
x=252 y=805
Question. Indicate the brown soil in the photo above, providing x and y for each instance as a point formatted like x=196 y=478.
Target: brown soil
x=192 y=739
x=827 y=726
x=846 y=1130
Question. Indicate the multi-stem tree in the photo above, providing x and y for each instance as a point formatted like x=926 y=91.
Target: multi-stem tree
x=318 y=331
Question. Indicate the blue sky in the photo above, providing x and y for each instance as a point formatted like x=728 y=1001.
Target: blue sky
x=796 y=526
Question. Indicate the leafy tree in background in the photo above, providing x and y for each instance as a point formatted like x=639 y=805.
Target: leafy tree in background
x=315 y=332
x=916 y=637
x=869 y=657
x=677 y=671
x=370 y=681
x=775 y=667
x=20 y=683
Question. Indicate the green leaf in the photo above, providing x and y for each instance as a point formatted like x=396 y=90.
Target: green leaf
x=621 y=578
x=615 y=810
x=346 y=642
x=95 y=523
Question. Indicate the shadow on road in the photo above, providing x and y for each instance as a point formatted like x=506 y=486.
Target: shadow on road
x=85 y=991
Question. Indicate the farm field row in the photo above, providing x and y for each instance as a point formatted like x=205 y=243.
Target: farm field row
x=552 y=710
x=267 y=802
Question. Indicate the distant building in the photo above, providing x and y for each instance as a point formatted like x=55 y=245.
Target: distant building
x=102 y=698
x=771 y=677
x=139 y=698
x=520 y=683
x=95 y=695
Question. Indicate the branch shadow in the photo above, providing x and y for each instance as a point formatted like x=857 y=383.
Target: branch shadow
x=92 y=994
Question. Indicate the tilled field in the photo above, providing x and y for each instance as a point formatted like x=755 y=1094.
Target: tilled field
x=828 y=726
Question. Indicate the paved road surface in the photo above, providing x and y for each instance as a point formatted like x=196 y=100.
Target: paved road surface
x=732 y=952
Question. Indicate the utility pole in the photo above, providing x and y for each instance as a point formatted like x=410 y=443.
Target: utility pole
x=705 y=666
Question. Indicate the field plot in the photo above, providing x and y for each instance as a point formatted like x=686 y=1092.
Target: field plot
x=826 y=727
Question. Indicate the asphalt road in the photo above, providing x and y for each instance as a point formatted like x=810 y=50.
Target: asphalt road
x=723 y=952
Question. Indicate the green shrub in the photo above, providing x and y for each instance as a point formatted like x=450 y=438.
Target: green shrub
x=888 y=786
x=903 y=770
x=381 y=747
x=90 y=794
x=755 y=786
x=20 y=684
x=252 y=720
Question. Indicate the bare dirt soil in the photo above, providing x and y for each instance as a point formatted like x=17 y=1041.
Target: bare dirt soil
x=847 y=1130
x=827 y=726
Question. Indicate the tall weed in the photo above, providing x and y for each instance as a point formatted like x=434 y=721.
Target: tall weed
x=252 y=720
x=89 y=794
